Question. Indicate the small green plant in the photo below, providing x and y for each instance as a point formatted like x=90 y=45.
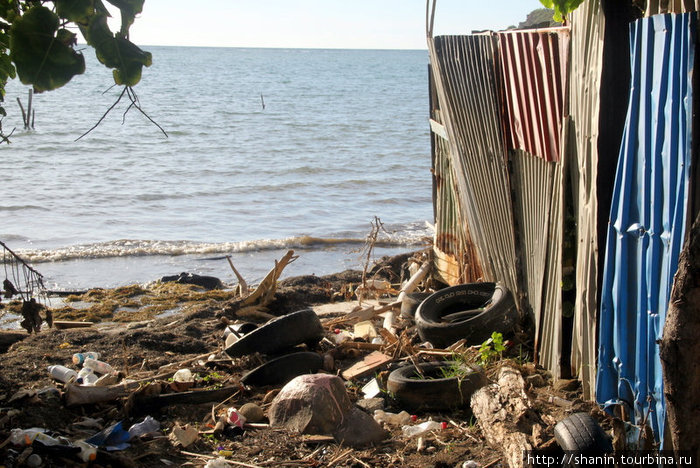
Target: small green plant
x=491 y=349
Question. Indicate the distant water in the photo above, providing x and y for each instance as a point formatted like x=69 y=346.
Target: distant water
x=343 y=137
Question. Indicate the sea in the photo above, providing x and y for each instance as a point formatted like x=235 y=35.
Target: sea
x=219 y=152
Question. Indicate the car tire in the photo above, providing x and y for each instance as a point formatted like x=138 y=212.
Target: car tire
x=279 y=334
x=281 y=370
x=466 y=311
x=434 y=392
x=581 y=434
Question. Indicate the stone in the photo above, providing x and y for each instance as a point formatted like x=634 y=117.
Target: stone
x=310 y=404
x=252 y=413
x=319 y=404
x=359 y=429
x=370 y=405
x=536 y=380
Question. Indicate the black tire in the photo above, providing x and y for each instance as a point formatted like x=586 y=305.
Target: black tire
x=410 y=303
x=580 y=433
x=435 y=392
x=281 y=370
x=278 y=334
x=470 y=311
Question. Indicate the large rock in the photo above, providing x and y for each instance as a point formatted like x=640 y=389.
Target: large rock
x=319 y=404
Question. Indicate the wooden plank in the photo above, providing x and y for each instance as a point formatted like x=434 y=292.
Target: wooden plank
x=371 y=362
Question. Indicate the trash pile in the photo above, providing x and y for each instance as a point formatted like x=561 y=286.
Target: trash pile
x=403 y=374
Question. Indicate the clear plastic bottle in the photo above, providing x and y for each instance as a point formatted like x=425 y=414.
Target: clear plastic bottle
x=86 y=377
x=79 y=358
x=62 y=373
x=100 y=367
x=392 y=418
x=146 y=426
x=88 y=452
x=420 y=429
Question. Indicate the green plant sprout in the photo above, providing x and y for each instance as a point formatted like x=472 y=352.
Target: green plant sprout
x=492 y=349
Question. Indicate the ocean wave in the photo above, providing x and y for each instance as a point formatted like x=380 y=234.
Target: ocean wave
x=142 y=248
x=22 y=208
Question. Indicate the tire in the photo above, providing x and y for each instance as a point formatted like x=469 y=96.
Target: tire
x=410 y=303
x=580 y=433
x=281 y=370
x=470 y=311
x=435 y=392
x=278 y=334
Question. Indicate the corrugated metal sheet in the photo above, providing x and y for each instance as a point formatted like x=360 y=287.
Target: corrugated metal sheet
x=537 y=192
x=533 y=64
x=585 y=68
x=467 y=85
x=648 y=216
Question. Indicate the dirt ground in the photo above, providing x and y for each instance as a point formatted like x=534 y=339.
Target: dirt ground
x=129 y=335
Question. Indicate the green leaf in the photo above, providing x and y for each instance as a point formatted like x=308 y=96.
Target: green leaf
x=40 y=58
x=77 y=11
x=561 y=7
x=116 y=52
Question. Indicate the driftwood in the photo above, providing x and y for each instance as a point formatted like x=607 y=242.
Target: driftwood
x=505 y=416
x=76 y=395
x=255 y=305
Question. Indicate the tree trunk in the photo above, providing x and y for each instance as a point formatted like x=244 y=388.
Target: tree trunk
x=680 y=349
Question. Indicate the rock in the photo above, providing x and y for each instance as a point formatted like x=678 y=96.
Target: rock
x=567 y=385
x=319 y=404
x=536 y=380
x=370 y=405
x=310 y=404
x=206 y=282
x=359 y=429
x=252 y=413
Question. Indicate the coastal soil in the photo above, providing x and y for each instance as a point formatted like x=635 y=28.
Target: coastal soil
x=149 y=331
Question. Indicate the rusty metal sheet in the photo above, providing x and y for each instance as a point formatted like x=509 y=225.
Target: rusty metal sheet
x=533 y=64
x=467 y=87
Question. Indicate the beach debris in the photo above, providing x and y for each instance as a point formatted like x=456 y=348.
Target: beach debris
x=114 y=437
x=207 y=282
x=368 y=364
x=148 y=426
x=66 y=324
x=183 y=435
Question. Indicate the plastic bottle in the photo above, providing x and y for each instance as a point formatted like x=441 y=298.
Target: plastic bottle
x=99 y=367
x=392 y=418
x=146 y=426
x=88 y=452
x=79 y=358
x=63 y=373
x=86 y=377
x=339 y=336
x=420 y=429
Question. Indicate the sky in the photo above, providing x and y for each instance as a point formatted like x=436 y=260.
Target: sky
x=351 y=24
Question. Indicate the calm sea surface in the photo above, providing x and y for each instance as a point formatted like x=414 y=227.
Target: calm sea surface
x=343 y=137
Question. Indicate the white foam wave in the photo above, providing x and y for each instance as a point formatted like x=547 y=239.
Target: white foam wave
x=140 y=248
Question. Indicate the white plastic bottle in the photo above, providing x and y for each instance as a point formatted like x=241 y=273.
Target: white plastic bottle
x=86 y=377
x=100 y=367
x=62 y=373
x=420 y=429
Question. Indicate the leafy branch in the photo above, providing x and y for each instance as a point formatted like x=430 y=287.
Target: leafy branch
x=37 y=46
x=561 y=7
